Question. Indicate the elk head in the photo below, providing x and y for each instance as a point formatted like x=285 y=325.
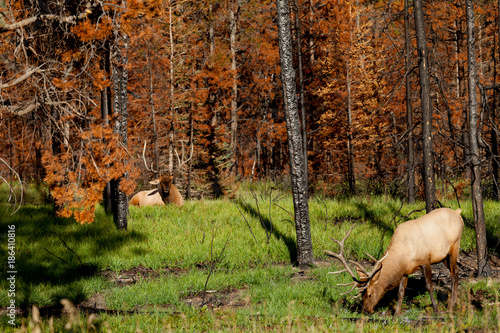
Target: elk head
x=163 y=185
x=167 y=190
x=367 y=281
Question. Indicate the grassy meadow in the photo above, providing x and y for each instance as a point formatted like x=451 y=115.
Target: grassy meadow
x=220 y=265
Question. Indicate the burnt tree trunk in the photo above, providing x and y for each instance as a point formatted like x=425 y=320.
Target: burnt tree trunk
x=105 y=112
x=120 y=79
x=423 y=68
x=484 y=268
x=233 y=22
x=295 y=145
x=301 y=85
x=409 y=111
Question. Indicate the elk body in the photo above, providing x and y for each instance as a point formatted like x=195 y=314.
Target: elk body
x=147 y=198
x=165 y=193
x=416 y=244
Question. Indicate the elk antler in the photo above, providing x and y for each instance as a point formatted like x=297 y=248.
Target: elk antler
x=361 y=284
x=144 y=159
x=182 y=161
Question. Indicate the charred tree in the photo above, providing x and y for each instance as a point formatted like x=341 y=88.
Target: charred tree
x=409 y=111
x=119 y=77
x=423 y=68
x=295 y=145
x=484 y=268
x=105 y=113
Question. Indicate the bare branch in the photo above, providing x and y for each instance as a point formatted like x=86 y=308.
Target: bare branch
x=16 y=81
x=49 y=17
x=11 y=189
x=21 y=110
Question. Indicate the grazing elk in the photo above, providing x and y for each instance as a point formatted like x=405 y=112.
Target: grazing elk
x=165 y=193
x=432 y=238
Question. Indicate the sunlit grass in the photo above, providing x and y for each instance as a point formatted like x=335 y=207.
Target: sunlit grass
x=247 y=244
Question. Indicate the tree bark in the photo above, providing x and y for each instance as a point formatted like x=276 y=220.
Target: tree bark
x=234 y=98
x=105 y=112
x=153 y=115
x=301 y=86
x=494 y=127
x=351 y=179
x=409 y=111
x=423 y=67
x=297 y=161
x=120 y=79
x=172 y=104
x=484 y=268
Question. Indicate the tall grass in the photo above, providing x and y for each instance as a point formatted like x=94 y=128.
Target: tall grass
x=245 y=245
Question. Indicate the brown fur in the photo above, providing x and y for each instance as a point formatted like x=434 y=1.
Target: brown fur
x=167 y=190
x=143 y=199
x=417 y=244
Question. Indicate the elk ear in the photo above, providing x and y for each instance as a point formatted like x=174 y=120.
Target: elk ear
x=154 y=182
x=375 y=278
x=362 y=276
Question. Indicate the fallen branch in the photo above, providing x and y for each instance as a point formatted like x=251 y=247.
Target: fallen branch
x=48 y=17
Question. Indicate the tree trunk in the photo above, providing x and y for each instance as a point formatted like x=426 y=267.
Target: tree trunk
x=351 y=179
x=301 y=87
x=477 y=199
x=234 y=98
x=494 y=128
x=172 y=104
x=105 y=119
x=423 y=68
x=297 y=161
x=409 y=111
x=120 y=79
x=191 y=142
x=105 y=112
x=153 y=115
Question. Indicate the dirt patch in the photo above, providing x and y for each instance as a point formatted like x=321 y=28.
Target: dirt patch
x=236 y=297
x=130 y=276
x=229 y=298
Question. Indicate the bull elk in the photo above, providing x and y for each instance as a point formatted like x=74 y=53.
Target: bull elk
x=432 y=238
x=165 y=192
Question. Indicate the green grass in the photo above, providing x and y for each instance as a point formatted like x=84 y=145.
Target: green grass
x=247 y=245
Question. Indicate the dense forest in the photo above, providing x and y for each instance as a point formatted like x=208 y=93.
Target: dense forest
x=98 y=95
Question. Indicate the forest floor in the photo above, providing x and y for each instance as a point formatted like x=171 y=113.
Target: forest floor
x=235 y=298
x=173 y=270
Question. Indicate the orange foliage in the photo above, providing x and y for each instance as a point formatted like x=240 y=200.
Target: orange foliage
x=188 y=83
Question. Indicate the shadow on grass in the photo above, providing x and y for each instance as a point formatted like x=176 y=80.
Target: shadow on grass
x=270 y=229
x=55 y=256
x=376 y=219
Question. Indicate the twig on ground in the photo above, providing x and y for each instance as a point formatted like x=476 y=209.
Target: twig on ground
x=67 y=246
x=248 y=224
x=213 y=262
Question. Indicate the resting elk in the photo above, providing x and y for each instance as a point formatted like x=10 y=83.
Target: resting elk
x=432 y=238
x=166 y=192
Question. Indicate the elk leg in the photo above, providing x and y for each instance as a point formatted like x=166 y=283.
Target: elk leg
x=401 y=294
x=428 y=283
x=451 y=262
